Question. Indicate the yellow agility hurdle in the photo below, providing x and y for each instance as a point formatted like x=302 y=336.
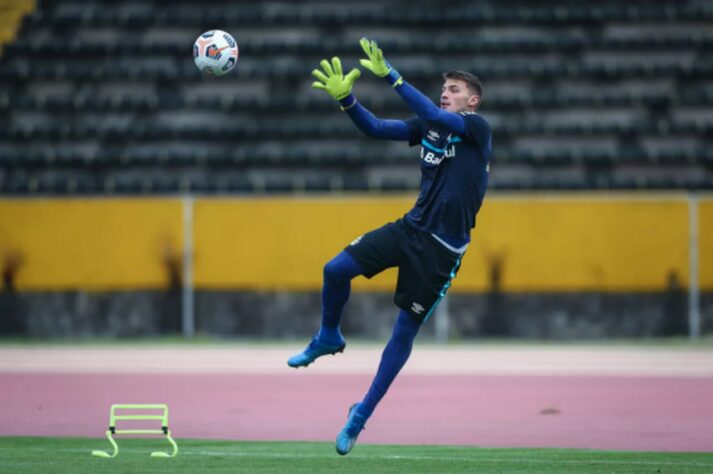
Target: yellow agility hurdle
x=114 y=417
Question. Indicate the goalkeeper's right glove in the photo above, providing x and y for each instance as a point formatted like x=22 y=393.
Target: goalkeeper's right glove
x=333 y=79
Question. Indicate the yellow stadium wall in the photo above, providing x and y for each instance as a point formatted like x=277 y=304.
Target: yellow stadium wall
x=11 y=14
x=548 y=243
x=705 y=243
x=100 y=244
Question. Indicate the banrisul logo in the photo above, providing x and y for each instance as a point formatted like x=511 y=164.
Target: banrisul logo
x=433 y=158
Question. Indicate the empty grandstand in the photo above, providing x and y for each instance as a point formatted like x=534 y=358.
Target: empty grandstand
x=100 y=98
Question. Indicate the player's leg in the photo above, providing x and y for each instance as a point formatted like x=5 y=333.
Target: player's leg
x=425 y=275
x=367 y=255
x=336 y=287
x=395 y=355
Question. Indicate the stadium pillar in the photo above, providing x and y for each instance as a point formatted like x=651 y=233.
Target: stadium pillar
x=187 y=293
x=694 y=314
x=443 y=321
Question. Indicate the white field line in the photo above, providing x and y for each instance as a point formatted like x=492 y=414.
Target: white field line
x=474 y=459
x=480 y=458
x=428 y=360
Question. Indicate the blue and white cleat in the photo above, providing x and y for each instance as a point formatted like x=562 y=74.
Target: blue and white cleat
x=314 y=349
x=349 y=434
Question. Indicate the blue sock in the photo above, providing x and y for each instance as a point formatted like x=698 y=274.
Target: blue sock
x=396 y=353
x=338 y=274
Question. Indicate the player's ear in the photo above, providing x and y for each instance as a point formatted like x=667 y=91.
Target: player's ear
x=474 y=101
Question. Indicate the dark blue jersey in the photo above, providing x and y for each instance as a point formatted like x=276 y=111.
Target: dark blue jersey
x=454 y=176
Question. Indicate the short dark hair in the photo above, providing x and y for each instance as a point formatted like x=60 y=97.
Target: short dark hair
x=471 y=80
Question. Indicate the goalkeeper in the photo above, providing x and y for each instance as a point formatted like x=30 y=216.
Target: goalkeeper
x=428 y=243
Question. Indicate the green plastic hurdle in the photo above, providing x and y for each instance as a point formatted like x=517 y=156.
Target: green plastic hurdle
x=114 y=417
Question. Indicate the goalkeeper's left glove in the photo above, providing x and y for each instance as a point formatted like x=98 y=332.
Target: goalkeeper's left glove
x=333 y=79
x=377 y=64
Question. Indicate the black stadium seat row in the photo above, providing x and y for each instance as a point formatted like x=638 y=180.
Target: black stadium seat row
x=236 y=131
x=376 y=13
x=21 y=70
x=148 y=101
x=301 y=156
x=131 y=185
x=563 y=42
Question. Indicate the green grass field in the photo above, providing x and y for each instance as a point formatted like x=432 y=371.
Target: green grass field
x=72 y=455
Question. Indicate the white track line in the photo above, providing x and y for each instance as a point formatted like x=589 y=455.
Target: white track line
x=427 y=360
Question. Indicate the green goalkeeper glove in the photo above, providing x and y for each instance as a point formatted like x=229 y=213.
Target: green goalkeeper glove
x=376 y=62
x=333 y=79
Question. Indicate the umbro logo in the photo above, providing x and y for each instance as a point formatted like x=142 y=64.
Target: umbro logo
x=433 y=135
x=417 y=308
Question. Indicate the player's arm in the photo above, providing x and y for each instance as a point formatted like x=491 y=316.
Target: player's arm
x=372 y=126
x=339 y=86
x=416 y=101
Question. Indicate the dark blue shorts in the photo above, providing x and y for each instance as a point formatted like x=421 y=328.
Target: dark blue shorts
x=426 y=267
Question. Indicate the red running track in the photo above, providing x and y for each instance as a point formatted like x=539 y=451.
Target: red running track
x=621 y=413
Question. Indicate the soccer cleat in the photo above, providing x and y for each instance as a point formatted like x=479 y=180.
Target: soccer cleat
x=314 y=349
x=349 y=434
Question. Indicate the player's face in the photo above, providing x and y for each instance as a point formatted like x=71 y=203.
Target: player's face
x=456 y=97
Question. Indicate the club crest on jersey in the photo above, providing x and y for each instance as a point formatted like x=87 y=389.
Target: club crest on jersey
x=433 y=135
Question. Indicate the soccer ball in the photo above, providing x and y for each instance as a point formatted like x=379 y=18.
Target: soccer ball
x=215 y=52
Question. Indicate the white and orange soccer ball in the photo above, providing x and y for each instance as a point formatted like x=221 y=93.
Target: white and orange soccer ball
x=215 y=52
